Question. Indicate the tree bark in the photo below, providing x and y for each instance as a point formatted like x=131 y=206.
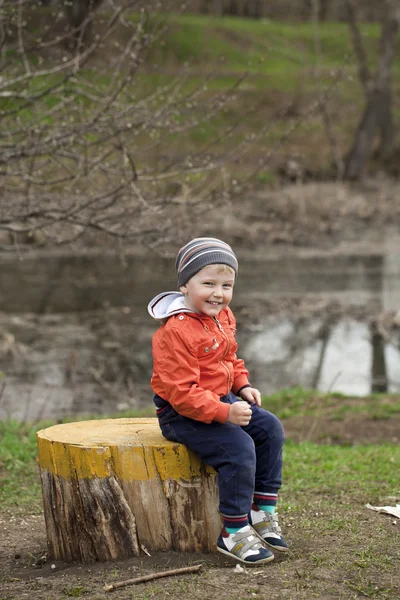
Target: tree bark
x=379 y=374
x=113 y=487
x=80 y=15
x=377 y=117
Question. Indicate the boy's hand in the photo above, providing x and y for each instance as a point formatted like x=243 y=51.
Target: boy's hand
x=239 y=413
x=251 y=395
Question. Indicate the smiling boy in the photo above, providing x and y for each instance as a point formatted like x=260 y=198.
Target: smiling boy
x=210 y=290
x=204 y=399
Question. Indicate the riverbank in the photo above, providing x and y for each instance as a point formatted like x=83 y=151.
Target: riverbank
x=75 y=336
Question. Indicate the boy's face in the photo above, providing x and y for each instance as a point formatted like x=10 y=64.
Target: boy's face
x=210 y=290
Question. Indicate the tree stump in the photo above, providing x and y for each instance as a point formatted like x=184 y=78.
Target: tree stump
x=114 y=487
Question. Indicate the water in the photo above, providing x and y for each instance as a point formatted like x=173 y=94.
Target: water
x=347 y=361
x=63 y=365
x=75 y=337
x=331 y=357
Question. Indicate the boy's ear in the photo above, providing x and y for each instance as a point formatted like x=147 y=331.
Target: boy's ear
x=183 y=289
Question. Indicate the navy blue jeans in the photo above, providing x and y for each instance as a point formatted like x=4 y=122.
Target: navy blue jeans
x=246 y=458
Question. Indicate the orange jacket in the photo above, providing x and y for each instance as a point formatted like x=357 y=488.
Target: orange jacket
x=195 y=363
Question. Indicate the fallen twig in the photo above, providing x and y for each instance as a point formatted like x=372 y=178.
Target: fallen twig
x=120 y=584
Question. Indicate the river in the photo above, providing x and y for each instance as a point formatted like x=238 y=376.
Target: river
x=75 y=336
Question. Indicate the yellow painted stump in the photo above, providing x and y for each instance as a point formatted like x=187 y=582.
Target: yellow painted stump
x=116 y=486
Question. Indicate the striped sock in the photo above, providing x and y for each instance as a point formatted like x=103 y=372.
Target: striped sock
x=232 y=524
x=266 y=501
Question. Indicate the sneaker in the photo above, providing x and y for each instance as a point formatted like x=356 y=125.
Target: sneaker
x=244 y=546
x=267 y=528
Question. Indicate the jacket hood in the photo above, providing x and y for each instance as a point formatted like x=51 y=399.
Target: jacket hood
x=166 y=305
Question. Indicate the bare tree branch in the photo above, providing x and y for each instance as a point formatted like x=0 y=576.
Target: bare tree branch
x=86 y=152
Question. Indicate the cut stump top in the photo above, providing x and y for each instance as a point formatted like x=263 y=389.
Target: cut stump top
x=133 y=449
x=106 y=432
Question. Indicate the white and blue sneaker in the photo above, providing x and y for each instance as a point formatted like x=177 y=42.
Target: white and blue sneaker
x=266 y=526
x=244 y=546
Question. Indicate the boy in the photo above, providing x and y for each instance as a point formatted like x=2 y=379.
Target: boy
x=205 y=401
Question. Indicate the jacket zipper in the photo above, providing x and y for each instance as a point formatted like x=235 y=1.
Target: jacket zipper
x=225 y=353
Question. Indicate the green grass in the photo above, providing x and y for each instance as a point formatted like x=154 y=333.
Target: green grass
x=210 y=54
x=298 y=402
x=207 y=56
x=276 y=55
x=271 y=46
x=371 y=470
x=19 y=480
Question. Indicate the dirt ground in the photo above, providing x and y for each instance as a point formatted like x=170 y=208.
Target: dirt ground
x=335 y=564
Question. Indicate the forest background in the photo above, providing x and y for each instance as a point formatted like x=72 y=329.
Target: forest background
x=111 y=117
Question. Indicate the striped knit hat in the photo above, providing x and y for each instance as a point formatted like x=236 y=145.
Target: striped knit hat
x=200 y=253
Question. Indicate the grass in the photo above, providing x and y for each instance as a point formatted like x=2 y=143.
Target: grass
x=339 y=549
x=206 y=56
x=271 y=46
x=299 y=402
x=197 y=60
x=19 y=482
x=278 y=60
x=321 y=468
x=372 y=468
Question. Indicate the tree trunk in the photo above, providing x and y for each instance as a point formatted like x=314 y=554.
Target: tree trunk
x=218 y=8
x=379 y=374
x=80 y=15
x=233 y=8
x=387 y=130
x=377 y=117
x=113 y=487
x=205 y=7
